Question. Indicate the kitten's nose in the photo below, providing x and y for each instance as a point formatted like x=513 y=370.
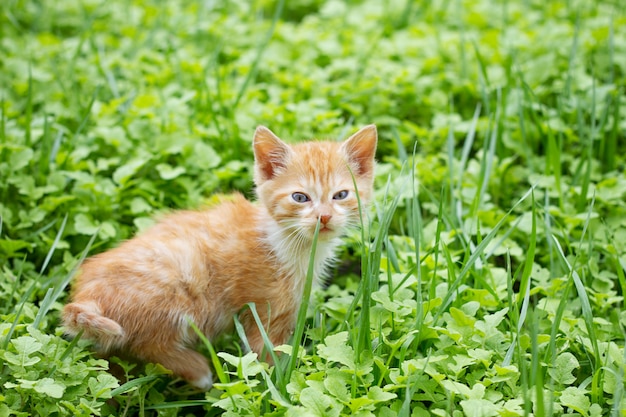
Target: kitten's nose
x=325 y=218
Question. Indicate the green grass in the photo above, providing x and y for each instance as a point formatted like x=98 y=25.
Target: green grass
x=489 y=276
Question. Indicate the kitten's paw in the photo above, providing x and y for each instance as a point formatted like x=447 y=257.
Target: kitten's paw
x=204 y=383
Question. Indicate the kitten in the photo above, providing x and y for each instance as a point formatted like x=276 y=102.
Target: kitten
x=205 y=266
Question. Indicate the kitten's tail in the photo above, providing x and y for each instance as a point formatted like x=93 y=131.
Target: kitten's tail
x=88 y=317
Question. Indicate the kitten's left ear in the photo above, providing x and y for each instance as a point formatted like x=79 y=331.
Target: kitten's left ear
x=360 y=149
x=271 y=154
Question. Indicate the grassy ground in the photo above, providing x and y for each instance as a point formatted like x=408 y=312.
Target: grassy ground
x=490 y=280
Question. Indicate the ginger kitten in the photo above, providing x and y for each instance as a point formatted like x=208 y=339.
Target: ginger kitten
x=205 y=266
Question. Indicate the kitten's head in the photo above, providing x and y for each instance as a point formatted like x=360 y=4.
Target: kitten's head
x=299 y=184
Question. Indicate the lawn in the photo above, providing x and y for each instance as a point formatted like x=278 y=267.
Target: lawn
x=490 y=276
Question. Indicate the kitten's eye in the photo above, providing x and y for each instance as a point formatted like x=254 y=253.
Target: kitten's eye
x=300 y=197
x=341 y=195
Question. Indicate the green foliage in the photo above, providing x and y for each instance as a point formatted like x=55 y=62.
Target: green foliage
x=489 y=278
x=43 y=374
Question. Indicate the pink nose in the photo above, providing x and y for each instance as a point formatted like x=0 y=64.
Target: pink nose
x=325 y=218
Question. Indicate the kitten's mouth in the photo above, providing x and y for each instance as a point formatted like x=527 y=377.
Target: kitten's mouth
x=325 y=229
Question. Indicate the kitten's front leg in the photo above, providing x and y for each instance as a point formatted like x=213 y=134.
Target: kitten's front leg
x=280 y=328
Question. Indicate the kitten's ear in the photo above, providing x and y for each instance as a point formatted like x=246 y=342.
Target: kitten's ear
x=360 y=149
x=271 y=154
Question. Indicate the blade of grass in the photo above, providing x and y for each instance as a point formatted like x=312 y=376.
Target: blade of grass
x=474 y=257
x=584 y=301
x=277 y=396
x=87 y=112
x=437 y=246
x=14 y=288
x=304 y=306
x=3 y=121
x=363 y=336
x=54 y=245
x=456 y=205
x=35 y=284
x=269 y=346
x=402 y=155
x=620 y=268
x=467 y=148
x=71 y=346
x=358 y=296
x=215 y=360
x=259 y=54
x=587 y=160
x=415 y=222
x=54 y=293
x=29 y=107
x=536 y=368
x=502 y=238
x=371 y=267
x=572 y=56
x=132 y=384
x=210 y=98
x=553 y=162
x=486 y=162
x=551 y=353
x=43 y=164
x=483 y=77
x=528 y=146
x=513 y=314
x=611 y=140
x=618 y=395
x=530 y=256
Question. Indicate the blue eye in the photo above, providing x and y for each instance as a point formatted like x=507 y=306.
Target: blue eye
x=300 y=197
x=341 y=195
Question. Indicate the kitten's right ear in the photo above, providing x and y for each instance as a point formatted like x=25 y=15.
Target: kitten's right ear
x=271 y=154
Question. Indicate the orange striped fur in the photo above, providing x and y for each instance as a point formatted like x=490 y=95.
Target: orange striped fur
x=206 y=265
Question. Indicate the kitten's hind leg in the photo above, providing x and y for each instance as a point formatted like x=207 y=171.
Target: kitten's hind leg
x=184 y=362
